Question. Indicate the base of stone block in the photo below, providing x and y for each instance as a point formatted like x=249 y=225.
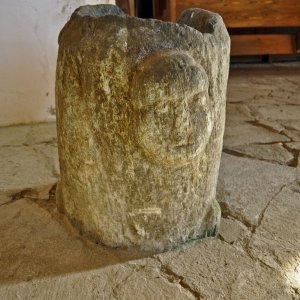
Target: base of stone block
x=209 y=228
x=212 y=221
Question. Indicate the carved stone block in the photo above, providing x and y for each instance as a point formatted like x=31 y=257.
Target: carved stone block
x=140 y=121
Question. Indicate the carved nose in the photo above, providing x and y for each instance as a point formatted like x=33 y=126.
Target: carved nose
x=182 y=124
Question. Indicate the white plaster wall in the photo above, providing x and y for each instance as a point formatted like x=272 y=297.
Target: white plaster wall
x=28 y=49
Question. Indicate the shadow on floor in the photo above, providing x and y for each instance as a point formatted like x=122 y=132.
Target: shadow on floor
x=37 y=241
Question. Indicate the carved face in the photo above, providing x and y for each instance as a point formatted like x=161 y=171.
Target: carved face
x=170 y=95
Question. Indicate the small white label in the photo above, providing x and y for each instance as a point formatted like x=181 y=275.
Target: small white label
x=146 y=211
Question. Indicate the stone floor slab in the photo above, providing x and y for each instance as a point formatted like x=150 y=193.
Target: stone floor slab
x=276 y=241
x=29 y=157
x=294 y=145
x=279 y=112
x=246 y=186
x=36 y=242
x=216 y=270
x=24 y=167
x=27 y=134
x=270 y=152
x=242 y=133
x=140 y=280
x=233 y=231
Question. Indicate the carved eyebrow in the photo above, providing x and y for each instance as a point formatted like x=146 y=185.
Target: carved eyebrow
x=144 y=100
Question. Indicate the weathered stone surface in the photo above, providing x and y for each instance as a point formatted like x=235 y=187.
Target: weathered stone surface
x=240 y=180
x=279 y=112
x=276 y=241
x=242 y=133
x=294 y=145
x=274 y=125
x=264 y=85
x=13 y=135
x=270 y=130
x=140 y=119
x=17 y=173
x=228 y=273
x=4 y=198
x=29 y=157
x=233 y=231
x=239 y=112
x=131 y=281
x=36 y=242
x=272 y=152
x=294 y=135
x=292 y=124
x=147 y=281
x=44 y=133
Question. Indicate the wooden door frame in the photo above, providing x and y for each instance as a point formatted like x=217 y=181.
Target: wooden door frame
x=171 y=10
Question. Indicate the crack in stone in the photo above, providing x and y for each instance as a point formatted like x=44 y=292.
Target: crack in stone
x=262 y=214
x=116 y=287
x=288 y=127
x=237 y=102
x=14 y=146
x=291 y=104
x=226 y=212
x=269 y=143
x=220 y=237
x=52 y=142
x=52 y=192
x=28 y=194
x=244 y=155
x=6 y=203
x=172 y=277
x=293 y=162
x=269 y=128
x=257 y=259
x=17 y=196
x=246 y=245
x=237 y=153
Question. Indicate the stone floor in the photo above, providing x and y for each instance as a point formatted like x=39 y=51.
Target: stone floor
x=256 y=255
